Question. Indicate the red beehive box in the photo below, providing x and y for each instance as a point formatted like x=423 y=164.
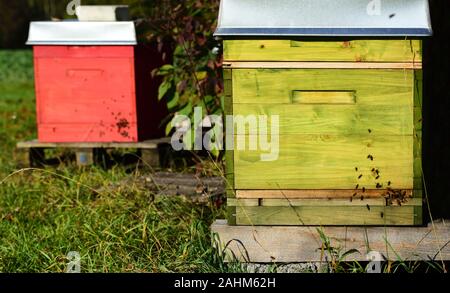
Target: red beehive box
x=85 y=82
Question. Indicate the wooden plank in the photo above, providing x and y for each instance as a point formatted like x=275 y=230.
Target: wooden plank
x=418 y=215
x=149 y=144
x=326 y=119
x=243 y=202
x=320 y=65
x=356 y=201
x=417 y=134
x=314 y=193
x=372 y=87
x=326 y=215
x=229 y=154
x=266 y=244
x=417 y=118
x=348 y=50
x=327 y=162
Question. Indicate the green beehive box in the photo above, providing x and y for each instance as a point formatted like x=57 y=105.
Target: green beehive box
x=347 y=92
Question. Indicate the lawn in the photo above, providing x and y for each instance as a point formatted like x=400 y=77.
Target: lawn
x=46 y=213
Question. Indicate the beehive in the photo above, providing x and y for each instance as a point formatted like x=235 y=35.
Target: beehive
x=88 y=78
x=348 y=93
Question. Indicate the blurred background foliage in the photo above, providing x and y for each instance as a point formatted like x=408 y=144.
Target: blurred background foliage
x=192 y=76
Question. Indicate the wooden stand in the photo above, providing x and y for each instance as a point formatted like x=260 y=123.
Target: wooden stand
x=298 y=244
x=151 y=152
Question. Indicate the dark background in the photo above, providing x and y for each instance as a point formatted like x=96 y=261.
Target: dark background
x=436 y=111
x=16 y=15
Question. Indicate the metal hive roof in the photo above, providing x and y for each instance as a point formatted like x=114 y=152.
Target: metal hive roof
x=81 y=33
x=324 y=18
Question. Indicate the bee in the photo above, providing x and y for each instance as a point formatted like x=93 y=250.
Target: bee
x=364 y=189
x=356 y=169
x=359 y=177
x=368 y=207
x=370 y=130
x=357 y=186
x=378 y=177
x=354 y=194
x=351 y=199
x=382 y=214
x=362 y=197
x=370 y=157
x=389 y=183
x=378 y=172
x=379 y=185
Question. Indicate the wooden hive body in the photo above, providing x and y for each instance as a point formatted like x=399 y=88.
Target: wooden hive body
x=349 y=131
x=93 y=84
x=85 y=93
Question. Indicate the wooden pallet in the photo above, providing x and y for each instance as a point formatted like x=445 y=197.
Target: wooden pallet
x=88 y=153
x=296 y=244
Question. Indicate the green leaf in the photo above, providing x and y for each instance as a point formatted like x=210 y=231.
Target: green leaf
x=173 y=102
x=166 y=68
x=187 y=109
x=169 y=128
x=163 y=89
x=201 y=75
x=179 y=50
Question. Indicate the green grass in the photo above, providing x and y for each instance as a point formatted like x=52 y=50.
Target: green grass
x=44 y=214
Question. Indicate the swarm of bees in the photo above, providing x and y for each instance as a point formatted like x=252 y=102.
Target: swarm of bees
x=392 y=197
x=396 y=197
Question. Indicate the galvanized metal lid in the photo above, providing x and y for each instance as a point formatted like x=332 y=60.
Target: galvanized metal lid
x=82 y=33
x=324 y=18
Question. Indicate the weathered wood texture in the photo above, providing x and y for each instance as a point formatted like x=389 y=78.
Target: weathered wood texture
x=303 y=244
x=349 y=122
x=88 y=153
x=417 y=134
x=358 y=201
x=372 y=87
x=229 y=154
x=349 y=51
x=149 y=144
x=313 y=193
x=322 y=144
x=346 y=214
x=328 y=162
x=358 y=211
x=320 y=65
x=193 y=187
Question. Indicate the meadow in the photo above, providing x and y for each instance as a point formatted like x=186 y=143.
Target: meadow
x=46 y=213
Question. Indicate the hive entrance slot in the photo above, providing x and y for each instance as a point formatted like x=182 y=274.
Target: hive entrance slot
x=323 y=97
